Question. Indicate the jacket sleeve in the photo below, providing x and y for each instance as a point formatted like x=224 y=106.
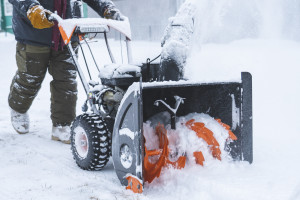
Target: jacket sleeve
x=22 y=6
x=100 y=5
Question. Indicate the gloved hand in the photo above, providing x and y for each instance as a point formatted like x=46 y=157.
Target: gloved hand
x=37 y=16
x=113 y=13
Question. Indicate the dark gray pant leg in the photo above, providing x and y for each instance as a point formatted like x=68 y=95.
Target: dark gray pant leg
x=32 y=62
x=63 y=88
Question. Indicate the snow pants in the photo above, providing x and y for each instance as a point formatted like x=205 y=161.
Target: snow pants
x=33 y=63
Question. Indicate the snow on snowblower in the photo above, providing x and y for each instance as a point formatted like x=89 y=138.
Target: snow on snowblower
x=146 y=123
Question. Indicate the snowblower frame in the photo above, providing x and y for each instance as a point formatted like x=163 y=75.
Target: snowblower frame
x=94 y=135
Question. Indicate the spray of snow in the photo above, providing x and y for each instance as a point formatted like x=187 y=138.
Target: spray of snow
x=223 y=21
x=151 y=139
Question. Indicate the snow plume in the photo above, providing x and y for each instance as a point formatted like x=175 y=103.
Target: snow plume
x=223 y=21
x=219 y=21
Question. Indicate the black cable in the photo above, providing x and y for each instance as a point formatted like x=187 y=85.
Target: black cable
x=87 y=67
x=92 y=54
x=76 y=66
x=148 y=66
x=108 y=49
x=150 y=61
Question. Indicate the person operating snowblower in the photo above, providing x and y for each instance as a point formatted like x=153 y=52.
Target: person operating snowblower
x=40 y=48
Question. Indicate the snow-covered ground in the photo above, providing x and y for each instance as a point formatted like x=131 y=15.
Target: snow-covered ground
x=230 y=37
x=34 y=167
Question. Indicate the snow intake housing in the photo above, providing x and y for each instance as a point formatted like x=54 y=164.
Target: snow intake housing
x=229 y=101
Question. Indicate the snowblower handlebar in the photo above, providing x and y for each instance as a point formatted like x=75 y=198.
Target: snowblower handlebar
x=68 y=27
x=82 y=28
x=90 y=25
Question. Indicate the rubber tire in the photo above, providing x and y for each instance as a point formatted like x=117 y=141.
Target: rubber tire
x=99 y=141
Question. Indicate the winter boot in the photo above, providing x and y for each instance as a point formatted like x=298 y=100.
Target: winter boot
x=61 y=133
x=20 y=121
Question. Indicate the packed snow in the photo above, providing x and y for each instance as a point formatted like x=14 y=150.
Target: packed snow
x=116 y=70
x=35 y=167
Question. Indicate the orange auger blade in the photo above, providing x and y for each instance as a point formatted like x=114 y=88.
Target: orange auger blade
x=207 y=135
x=153 y=170
x=227 y=127
x=179 y=164
x=199 y=158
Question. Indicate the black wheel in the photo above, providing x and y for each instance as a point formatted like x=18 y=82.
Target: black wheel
x=90 y=142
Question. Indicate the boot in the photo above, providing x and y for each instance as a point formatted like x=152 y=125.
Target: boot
x=20 y=121
x=61 y=133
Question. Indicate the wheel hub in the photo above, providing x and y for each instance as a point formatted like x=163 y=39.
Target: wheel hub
x=81 y=142
x=126 y=156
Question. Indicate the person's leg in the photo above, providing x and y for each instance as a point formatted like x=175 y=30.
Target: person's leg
x=63 y=94
x=32 y=62
x=63 y=88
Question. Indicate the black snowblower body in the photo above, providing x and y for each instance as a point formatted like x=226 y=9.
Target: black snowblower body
x=229 y=101
x=129 y=96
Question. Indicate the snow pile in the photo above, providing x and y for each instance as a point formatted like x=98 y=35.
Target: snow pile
x=191 y=144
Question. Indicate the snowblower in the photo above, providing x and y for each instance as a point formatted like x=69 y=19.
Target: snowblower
x=135 y=116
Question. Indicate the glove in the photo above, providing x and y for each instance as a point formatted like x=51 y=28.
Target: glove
x=113 y=13
x=37 y=16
